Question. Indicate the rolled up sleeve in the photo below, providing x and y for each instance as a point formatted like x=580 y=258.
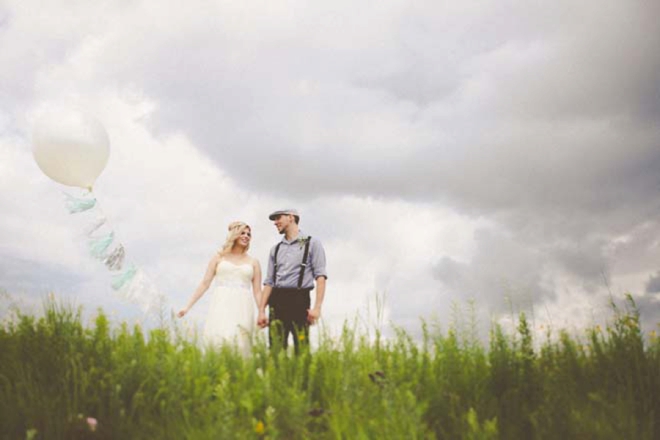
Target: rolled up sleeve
x=269 y=280
x=317 y=255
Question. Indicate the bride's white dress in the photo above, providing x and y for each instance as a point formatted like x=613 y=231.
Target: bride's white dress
x=231 y=315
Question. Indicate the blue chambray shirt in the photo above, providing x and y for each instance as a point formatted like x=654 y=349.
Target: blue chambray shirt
x=289 y=258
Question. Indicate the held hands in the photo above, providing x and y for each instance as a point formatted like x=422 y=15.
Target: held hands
x=262 y=320
x=312 y=316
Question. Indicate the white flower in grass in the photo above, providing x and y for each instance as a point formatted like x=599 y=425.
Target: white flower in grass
x=92 y=423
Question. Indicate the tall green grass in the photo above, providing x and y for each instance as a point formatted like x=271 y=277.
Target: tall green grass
x=55 y=372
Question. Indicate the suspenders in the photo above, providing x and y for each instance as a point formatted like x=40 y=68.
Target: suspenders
x=303 y=264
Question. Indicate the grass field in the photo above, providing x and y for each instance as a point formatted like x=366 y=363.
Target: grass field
x=61 y=379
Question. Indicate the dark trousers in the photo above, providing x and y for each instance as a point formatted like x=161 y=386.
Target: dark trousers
x=288 y=316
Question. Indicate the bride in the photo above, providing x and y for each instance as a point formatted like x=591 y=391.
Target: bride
x=236 y=293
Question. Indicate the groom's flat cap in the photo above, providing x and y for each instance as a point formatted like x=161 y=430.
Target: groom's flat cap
x=284 y=212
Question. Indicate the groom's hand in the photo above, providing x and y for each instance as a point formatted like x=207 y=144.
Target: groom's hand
x=313 y=315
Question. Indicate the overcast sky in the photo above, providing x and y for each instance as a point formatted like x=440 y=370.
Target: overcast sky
x=506 y=152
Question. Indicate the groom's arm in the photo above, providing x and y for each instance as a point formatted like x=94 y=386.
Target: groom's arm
x=320 y=276
x=314 y=314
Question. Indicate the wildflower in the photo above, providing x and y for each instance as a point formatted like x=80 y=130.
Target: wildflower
x=92 y=422
x=301 y=337
x=260 y=428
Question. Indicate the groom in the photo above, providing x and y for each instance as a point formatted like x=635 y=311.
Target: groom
x=294 y=264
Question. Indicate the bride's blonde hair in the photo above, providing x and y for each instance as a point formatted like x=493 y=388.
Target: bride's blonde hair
x=235 y=231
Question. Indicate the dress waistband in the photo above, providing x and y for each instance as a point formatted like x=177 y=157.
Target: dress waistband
x=234 y=284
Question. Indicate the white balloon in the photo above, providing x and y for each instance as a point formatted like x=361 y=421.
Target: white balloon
x=70 y=147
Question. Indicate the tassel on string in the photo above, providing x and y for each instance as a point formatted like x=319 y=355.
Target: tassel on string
x=115 y=259
x=143 y=291
x=98 y=246
x=79 y=204
x=121 y=279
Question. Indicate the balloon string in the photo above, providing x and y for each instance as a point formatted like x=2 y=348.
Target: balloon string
x=100 y=221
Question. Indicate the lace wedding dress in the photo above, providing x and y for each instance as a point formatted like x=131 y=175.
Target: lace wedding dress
x=231 y=316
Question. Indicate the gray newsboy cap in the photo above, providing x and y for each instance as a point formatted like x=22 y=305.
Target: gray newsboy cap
x=284 y=212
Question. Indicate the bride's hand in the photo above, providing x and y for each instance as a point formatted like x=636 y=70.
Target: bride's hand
x=182 y=312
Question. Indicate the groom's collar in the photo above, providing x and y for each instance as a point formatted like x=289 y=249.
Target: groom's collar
x=301 y=235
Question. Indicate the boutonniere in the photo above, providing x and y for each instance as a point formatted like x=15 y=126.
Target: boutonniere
x=303 y=241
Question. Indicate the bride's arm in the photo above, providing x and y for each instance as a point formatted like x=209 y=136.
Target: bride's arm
x=256 y=281
x=203 y=286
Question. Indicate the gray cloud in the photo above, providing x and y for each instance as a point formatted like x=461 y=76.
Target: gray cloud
x=503 y=271
x=19 y=276
x=490 y=110
x=548 y=115
x=653 y=285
